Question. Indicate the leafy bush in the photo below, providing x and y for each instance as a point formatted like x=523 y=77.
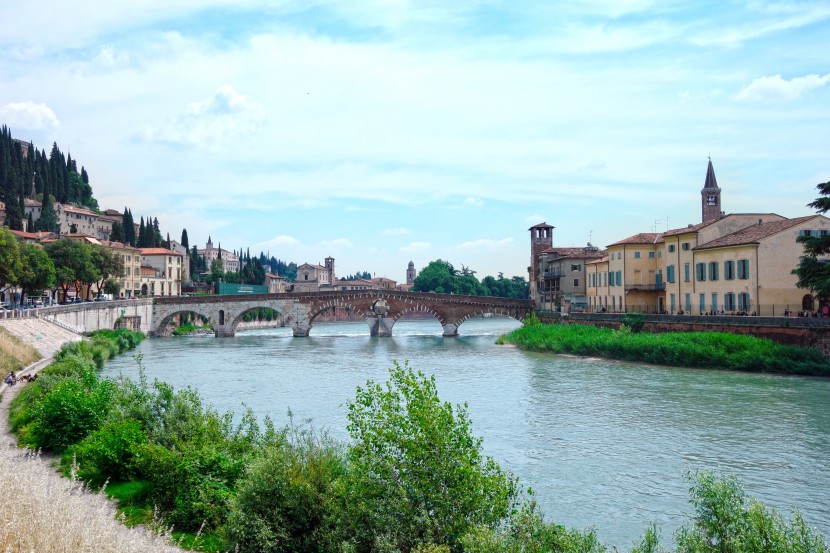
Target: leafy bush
x=284 y=502
x=416 y=473
x=726 y=521
x=109 y=451
x=634 y=321
x=75 y=408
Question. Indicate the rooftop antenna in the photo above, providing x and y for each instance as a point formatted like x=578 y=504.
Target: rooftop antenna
x=667 y=223
x=656 y=224
x=590 y=235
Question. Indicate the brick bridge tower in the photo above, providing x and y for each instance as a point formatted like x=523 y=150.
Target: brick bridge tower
x=541 y=239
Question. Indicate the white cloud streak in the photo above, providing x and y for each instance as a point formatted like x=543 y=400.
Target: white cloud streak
x=775 y=88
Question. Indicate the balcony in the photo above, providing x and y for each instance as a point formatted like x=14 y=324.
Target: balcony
x=660 y=286
x=557 y=273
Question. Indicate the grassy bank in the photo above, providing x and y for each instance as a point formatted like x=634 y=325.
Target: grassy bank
x=711 y=350
x=14 y=354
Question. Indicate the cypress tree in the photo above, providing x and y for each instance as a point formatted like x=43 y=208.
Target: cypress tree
x=158 y=240
x=84 y=176
x=142 y=235
x=30 y=224
x=129 y=228
x=185 y=243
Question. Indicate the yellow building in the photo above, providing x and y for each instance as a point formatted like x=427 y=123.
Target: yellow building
x=130 y=279
x=635 y=274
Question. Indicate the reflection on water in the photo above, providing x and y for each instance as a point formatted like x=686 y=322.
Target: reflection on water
x=602 y=443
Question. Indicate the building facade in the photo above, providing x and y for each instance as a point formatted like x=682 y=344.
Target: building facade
x=161 y=272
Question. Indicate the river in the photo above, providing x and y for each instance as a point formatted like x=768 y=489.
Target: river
x=601 y=443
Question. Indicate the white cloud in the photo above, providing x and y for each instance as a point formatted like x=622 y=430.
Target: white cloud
x=338 y=243
x=416 y=247
x=486 y=244
x=207 y=123
x=28 y=115
x=108 y=56
x=534 y=219
x=475 y=202
x=397 y=231
x=280 y=240
x=776 y=88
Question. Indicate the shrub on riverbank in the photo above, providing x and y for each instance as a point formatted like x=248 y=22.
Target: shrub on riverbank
x=712 y=350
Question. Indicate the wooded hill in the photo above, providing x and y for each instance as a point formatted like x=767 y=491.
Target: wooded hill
x=28 y=173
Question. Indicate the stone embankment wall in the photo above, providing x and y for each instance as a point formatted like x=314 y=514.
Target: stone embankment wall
x=804 y=332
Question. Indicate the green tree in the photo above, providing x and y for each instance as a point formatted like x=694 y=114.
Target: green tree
x=106 y=265
x=10 y=259
x=73 y=263
x=38 y=271
x=47 y=222
x=441 y=277
x=813 y=270
x=117 y=233
x=416 y=472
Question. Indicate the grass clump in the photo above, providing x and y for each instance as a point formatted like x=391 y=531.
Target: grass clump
x=711 y=350
x=14 y=354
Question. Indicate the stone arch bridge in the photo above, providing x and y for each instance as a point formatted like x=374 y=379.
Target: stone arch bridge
x=379 y=308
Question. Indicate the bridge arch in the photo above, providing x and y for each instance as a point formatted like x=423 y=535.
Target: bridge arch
x=240 y=315
x=163 y=326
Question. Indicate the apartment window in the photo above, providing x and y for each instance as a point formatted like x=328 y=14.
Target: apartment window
x=619 y=279
x=714 y=301
x=728 y=270
x=605 y=279
x=713 y=270
x=636 y=255
x=688 y=302
x=658 y=278
x=619 y=255
x=671 y=302
x=651 y=255
x=729 y=301
x=576 y=283
x=743 y=301
x=702 y=302
x=700 y=272
x=671 y=248
x=305 y=277
x=805 y=232
x=686 y=271
x=743 y=269
x=670 y=273
x=576 y=267
x=611 y=278
x=684 y=246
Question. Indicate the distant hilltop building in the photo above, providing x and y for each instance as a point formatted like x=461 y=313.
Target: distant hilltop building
x=228 y=260
x=737 y=263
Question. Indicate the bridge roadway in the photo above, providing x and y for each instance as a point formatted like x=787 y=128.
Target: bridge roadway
x=379 y=308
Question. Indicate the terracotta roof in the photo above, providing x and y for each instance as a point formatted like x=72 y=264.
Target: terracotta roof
x=119 y=245
x=575 y=253
x=753 y=234
x=158 y=251
x=274 y=277
x=601 y=260
x=690 y=228
x=642 y=238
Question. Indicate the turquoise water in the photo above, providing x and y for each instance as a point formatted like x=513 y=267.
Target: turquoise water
x=601 y=443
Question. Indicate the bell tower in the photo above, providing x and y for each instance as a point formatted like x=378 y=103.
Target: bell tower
x=541 y=239
x=710 y=196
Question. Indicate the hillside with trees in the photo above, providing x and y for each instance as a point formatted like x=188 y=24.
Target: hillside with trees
x=29 y=173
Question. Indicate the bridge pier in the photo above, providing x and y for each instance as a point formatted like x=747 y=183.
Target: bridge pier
x=301 y=329
x=450 y=330
x=380 y=326
x=223 y=331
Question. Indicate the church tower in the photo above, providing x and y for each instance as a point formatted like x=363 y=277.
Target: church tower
x=710 y=196
x=410 y=273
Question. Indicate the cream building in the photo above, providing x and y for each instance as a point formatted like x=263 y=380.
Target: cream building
x=737 y=263
x=315 y=278
x=161 y=272
x=275 y=283
x=563 y=276
x=130 y=279
x=97 y=225
x=229 y=260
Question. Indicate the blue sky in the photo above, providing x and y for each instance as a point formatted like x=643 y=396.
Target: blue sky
x=385 y=131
